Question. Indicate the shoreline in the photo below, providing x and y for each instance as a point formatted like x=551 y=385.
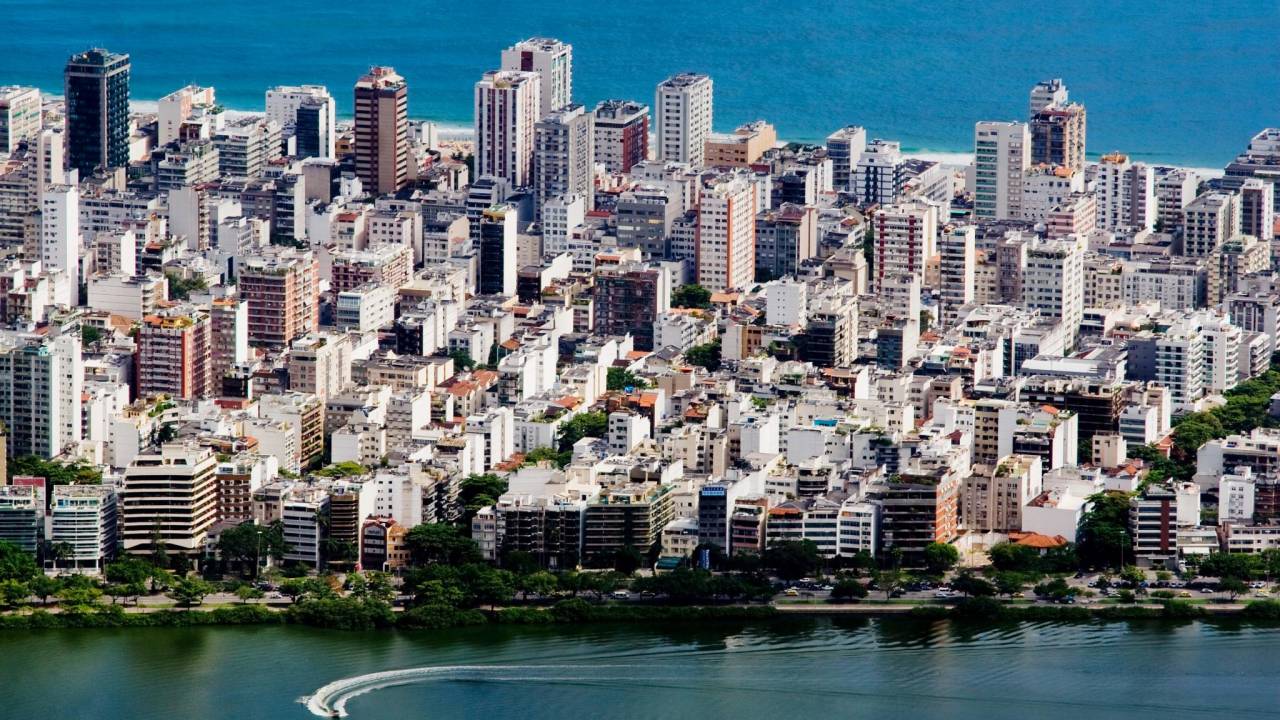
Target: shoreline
x=577 y=611
x=459 y=131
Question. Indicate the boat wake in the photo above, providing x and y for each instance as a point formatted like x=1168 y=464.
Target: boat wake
x=331 y=700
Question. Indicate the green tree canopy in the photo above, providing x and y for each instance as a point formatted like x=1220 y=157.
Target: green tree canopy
x=586 y=424
x=940 y=557
x=621 y=378
x=791 y=559
x=247 y=542
x=16 y=563
x=691 y=296
x=1103 y=536
x=440 y=543
x=706 y=355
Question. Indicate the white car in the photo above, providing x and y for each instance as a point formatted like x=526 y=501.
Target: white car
x=944 y=594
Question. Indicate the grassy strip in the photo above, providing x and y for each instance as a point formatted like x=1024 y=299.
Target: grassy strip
x=347 y=614
x=987 y=609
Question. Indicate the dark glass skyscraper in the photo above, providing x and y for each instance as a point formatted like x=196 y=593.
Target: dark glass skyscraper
x=97 y=92
x=307 y=129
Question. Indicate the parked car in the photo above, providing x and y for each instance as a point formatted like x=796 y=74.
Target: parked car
x=621 y=595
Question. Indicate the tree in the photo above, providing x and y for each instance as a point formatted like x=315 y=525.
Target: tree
x=440 y=543
x=706 y=355
x=297 y=589
x=489 y=586
x=846 y=590
x=249 y=592
x=1233 y=587
x=247 y=543
x=16 y=563
x=691 y=296
x=587 y=424
x=628 y=560
x=190 y=591
x=13 y=592
x=1007 y=556
x=1133 y=575
x=180 y=288
x=54 y=473
x=43 y=587
x=541 y=583
x=940 y=557
x=621 y=378
x=346 y=468
x=1269 y=560
x=1055 y=589
x=79 y=594
x=792 y=559
x=371 y=585
x=1235 y=565
x=1193 y=431
x=477 y=491
x=462 y=360
x=1103 y=535
x=889 y=581
x=90 y=334
x=971 y=585
x=1009 y=583
x=546 y=454
x=519 y=562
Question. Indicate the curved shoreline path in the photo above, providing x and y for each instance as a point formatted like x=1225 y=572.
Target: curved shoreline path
x=331 y=699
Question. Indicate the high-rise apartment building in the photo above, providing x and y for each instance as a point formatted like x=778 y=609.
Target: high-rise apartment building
x=905 y=240
x=96 y=85
x=629 y=299
x=957 y=264
x=879 y=174
x=1257 y=209
x=229 y=329
x=552 y=60
x=1126 y=193
x=60 y=240
x=175 y=355
x=1175 y=188
x=382 y=130
x=621 y=134
x=281 y=290
x=169 y=499
x=85 y=519
x=309 y=114
x=498 y=251
x=1053 y=281
x=684 y=105
x=563 y=156
x=785 y=238
x=1208 y=222
x=845 y=147
x=507 y=103
x=176 y=108
x=1002 y=154
x=1058 y=127
x=726 y=235
x=19 y=116
x=40 y=395
x=1047 y=93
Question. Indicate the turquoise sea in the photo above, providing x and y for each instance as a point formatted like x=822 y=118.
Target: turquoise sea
x=1173 y=82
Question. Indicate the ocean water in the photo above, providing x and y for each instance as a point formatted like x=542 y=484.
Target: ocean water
x=1170 y=82
x=892 y=669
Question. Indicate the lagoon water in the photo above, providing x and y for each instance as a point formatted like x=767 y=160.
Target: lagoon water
x=1171 y=82
x=881 y=669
